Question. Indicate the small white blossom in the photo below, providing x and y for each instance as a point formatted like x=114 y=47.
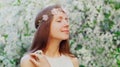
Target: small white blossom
x=54 y=11
x=39 y=21
x=58 y=10
x=45 y=17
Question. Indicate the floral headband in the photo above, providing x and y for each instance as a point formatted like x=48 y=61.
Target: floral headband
x=54 y=11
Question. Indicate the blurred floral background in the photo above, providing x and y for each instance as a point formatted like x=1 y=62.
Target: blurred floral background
x=94 y=30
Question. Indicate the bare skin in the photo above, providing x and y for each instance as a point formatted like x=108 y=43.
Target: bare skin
x=59 y=31
x=29 y=61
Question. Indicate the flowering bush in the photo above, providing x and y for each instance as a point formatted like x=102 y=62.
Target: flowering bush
x=94 y=25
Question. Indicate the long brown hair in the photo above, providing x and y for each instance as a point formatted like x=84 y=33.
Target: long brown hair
x=43 y=30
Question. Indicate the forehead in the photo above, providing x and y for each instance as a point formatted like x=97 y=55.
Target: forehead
x=60 y=16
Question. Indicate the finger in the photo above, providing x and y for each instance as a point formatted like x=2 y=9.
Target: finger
x=34 y=61
x=34 y=56
x=39 y=54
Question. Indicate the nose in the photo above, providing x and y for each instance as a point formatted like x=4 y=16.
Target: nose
x=66 y=23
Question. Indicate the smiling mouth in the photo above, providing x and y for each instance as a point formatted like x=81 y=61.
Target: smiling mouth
x=66 y=31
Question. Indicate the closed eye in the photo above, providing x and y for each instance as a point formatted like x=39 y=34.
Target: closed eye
x=58 y=21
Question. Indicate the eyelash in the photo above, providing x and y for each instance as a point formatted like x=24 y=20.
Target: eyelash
x=58 y=21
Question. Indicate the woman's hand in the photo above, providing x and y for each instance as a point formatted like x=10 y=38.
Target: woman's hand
x=38 y=59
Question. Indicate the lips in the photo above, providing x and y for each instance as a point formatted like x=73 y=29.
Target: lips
x=66 y=31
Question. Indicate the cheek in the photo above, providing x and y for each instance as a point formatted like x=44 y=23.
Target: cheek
x=56 y=27
x=55 y=30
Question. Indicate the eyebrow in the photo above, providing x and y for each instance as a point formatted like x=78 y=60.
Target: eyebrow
x=60 y=18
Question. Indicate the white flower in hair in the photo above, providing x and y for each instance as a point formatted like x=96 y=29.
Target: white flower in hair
x=54 y=11
x=39 y=21
x=45 y=17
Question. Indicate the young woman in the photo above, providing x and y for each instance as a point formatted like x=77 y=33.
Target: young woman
x=50 y=47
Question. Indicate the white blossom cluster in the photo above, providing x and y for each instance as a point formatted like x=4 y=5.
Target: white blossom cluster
x=94 y=30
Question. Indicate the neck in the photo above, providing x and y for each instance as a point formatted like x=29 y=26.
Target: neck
x=52 y=49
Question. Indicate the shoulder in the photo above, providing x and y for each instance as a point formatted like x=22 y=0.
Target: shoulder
x=75 y=61
x=25 y=61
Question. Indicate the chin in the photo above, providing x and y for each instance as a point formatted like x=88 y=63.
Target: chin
x=65 y=38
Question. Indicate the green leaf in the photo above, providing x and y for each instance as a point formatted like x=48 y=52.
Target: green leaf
x=100 y=50
x=107 y=15
x=5 y=36
x=19 y=1
x=79 y=46
x=118 y=62
x=75 y=7
x=81 y=66
x=71 y=42
x=118 y=50
x=26 y=28
x=106 y=25
x=117 y=5
x=117 y=33
x=12 y=61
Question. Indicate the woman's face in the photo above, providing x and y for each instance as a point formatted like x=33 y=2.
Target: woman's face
x=60 y=27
